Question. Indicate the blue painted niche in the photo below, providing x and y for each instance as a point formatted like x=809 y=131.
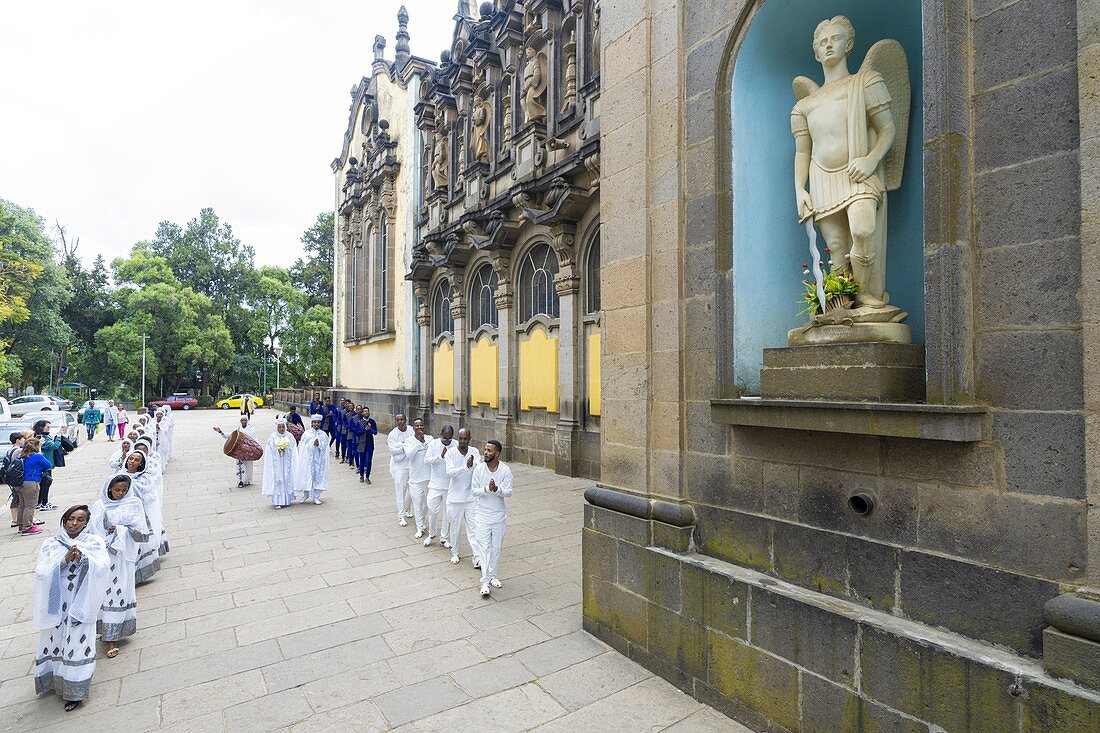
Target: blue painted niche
x=769 y=246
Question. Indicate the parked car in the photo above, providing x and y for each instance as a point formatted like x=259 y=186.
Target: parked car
x=63 y=403
x=56 y=421
x=177 y=401
x=32 y=403
x=237 y=400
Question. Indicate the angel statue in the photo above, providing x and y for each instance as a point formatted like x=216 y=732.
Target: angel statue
x=850 y=136
x=440 y=160
x=481 y=129
x=534 y=85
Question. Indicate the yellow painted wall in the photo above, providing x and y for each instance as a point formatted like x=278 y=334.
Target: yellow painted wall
x=593 y=361
x=484 y=372
x=538 y=371
x=443 y=373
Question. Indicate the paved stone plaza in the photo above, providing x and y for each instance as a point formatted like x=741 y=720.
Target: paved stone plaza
x=332 y=618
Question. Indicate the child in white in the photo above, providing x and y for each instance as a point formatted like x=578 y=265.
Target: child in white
x=491 y=485
x=461 y=505
x=399 y=466
x=420 y=473
x=438 y=484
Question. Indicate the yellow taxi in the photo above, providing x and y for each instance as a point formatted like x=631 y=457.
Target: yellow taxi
x=237 y=400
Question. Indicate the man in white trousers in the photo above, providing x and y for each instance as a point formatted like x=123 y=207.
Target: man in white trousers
x=491 y=485
x=461 y=506
x=438 y=485
x=416 y=450
x=399 y=465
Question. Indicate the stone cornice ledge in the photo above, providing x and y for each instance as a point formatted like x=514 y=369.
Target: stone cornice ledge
x=954 y=423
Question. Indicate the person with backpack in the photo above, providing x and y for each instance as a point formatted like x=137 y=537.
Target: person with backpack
x=32 y=463
x=51 y=449
x=18 y=438
x=92 y=418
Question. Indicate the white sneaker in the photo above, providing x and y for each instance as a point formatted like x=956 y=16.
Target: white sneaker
x=419 y=534
x=445 y=544
x=484 y=591
x=409 y=515
x=428 y=541
x=402 y=522
x=454 y=560
x=496 y=583
x=317 y=500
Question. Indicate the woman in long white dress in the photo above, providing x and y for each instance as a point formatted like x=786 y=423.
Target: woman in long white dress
x=69 y=582
x=280 y=466
x=146 y=484
x=119 y=518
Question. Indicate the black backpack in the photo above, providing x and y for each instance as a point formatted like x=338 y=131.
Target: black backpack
x=12 y=470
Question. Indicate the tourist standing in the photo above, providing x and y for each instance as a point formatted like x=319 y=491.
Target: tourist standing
x=70 y=581
x=92 y=418
x=12 y=474
x=34 y=463
x=52 y=451
x=491 y=484
x=399 y=465
x=110 y=420
x=364 y=444
x=280 y=466
x=461 y=504
x=313 y=460
x=438 y=484
x=119 y=518
x=419 y=474
x=123 y=420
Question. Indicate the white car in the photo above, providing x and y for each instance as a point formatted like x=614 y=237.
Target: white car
x=57 y=421
x=32 y=403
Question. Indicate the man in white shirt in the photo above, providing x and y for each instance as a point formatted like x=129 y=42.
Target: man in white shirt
x=461 y=505
x=416 y=450
x=438 y=484
x=399 y=466
x=491 y=484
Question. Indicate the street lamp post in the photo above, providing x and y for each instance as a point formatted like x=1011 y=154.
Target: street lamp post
x=278 y=362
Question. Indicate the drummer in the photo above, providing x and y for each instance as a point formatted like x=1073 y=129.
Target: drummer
x=244 y=468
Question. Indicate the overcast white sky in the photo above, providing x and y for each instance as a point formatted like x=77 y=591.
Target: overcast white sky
x=119 y=115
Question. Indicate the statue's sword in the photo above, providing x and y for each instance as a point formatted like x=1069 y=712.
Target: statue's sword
x=811 y=234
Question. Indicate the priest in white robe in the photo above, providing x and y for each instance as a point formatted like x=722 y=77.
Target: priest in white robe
x=70 y=581
x=280 y=466
x=313 y=461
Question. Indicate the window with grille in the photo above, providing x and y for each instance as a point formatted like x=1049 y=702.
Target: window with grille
x=536 y=283
x=483 y=309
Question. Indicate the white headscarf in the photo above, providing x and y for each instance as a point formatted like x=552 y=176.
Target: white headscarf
x=89 y=584
x=127 y=515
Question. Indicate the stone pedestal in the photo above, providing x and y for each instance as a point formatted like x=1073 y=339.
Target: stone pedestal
x=1071 y=644
x=878 y=372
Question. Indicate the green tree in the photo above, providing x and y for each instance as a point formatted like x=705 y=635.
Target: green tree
x=307 y=346
x=313 y=273
x=118 y=348
x=207 y=257
x=210 y=351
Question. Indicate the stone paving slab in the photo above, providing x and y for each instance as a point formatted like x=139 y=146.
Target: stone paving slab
x=332 y=618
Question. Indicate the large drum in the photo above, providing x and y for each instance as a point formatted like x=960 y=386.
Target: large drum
x=243 y=447
x=295 y=430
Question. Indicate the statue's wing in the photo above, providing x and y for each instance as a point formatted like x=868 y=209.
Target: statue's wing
x=803 y=87
x=887 y=57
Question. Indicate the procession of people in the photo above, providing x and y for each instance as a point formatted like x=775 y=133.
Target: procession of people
x=87 y=575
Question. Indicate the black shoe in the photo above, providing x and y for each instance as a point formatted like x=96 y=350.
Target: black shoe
x=240 y=484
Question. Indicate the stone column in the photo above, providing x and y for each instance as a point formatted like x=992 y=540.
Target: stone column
x=462 y=352
x=424 y=321
x=567 y=285
x=506 y=349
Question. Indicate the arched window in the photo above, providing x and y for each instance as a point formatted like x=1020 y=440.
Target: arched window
x=441 y=310
x=382 y=276
x=483 y=309
x=536 y=283
x=592 y=276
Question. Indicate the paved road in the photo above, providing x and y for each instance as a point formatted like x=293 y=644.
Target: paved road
x=332 y=618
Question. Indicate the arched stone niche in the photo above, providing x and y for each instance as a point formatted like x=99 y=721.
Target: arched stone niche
x=768 y=244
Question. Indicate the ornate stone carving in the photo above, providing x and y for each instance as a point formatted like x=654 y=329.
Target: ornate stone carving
x=506 y=100
x=480 y=121
x=534 y=85
x=568 y=102
x=441 y=160
x=596 y=38
x=850 y=146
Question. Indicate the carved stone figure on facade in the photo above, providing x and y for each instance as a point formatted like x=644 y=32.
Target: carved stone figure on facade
x=441 y=161
x=480 y=120
x=850 y=139
x=506 y=100
x=596 y=38
x=534 y=85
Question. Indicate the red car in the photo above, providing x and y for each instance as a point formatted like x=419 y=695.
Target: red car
x=178 y=401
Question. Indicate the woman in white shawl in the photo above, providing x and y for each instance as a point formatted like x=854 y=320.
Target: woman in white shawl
x=119 y=518
x=115 y=461
x=156 y=475
x=145 y=485
x=69 y=582
x=313 y=461
x=280 y=466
